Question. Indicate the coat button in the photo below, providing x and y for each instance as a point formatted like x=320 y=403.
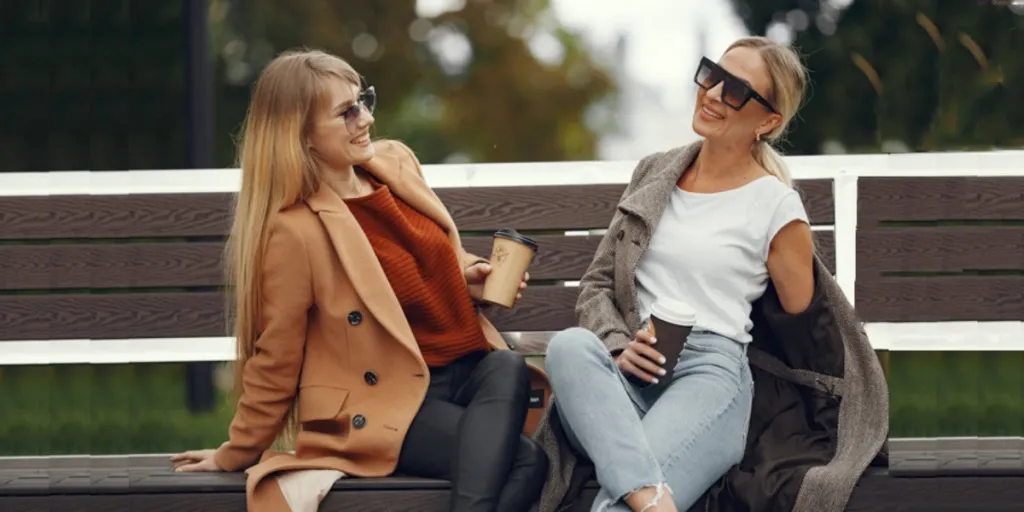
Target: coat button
x=370 y=378
x=359 y=421
x=621 y=234
x=355 y=318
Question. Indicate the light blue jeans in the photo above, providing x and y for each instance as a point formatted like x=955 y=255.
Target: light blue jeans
x=688 y=437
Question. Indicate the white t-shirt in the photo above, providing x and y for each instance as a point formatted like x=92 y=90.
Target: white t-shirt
x=711 y=251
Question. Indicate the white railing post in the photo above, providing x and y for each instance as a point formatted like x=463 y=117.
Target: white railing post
x=845 y=194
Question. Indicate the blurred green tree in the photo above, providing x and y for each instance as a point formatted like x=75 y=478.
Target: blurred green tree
x=925 y=75
x=466 y=84
x=93 y=85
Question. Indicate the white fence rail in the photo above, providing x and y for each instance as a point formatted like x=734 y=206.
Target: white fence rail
x=844 y=170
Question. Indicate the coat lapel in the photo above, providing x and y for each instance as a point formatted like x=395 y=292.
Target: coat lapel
x=650 y=197
x=407 y=183
x=647 y=202
x=361 y=264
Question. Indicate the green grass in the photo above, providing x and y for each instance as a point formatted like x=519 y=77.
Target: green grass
x=102 y=409
x=140 y=408
x=956 y=394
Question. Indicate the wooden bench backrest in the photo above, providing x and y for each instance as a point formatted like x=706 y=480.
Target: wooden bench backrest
x=940 y=249
x=149 y=265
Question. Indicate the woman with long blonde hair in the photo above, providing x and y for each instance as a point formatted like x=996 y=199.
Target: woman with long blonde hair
x=360 y=339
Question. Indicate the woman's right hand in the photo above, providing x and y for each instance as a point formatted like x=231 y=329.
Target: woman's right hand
x=195 y=460
x=639 y=358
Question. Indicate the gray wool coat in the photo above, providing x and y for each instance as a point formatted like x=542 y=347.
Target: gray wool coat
x=820 y=414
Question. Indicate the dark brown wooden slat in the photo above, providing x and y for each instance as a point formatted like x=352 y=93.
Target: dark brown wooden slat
x=924 y=199
x=934 y=299
x=65 y=266
x=875 y=492
x=411 y=500
x=939 y=249
x=819 y=200
x=120 y=216
x=936 y=494
x=558 y=257
x=575 y=207
x=543 y=308
x=825 y=244
x=181 y=264
x=194 y=215
x=569 y=257
x=112 y=316
x=537 y=208
x=135 y=486
x=164 y=315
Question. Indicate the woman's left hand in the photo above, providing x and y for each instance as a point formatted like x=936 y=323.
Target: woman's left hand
x=195 y=460
x=477 y=273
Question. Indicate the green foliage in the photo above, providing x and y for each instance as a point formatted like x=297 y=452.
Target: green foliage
x=944 y=73
x=102 y=409
x=505 y=105
x=141 y=408
x=956 y=394
x=92 y=85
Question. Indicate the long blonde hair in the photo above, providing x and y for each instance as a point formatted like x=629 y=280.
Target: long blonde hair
x=789 y=80
x=277 y=172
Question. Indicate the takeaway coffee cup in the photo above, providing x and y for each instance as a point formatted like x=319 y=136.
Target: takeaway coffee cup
x=671 y=322
x=510 y=256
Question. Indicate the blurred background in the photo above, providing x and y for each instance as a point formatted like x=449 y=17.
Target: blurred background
x=163 y=84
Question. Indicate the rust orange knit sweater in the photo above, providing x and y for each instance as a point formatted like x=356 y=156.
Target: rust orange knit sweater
x=424 y=273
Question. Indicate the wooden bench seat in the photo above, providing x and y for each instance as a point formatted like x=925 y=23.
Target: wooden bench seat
x=923 y=475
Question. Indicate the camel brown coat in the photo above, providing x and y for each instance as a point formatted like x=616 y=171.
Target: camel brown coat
x=334 y=337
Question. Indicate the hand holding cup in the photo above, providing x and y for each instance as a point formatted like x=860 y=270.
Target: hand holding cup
x=641 y=360
x=511 y=254
x=476 y=275
x=671 y=321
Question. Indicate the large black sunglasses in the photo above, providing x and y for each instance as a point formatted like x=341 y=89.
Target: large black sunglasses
x=736 y=92
x=366 y=99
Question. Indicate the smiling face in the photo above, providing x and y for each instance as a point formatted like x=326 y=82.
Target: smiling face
x=339 y=136
x=714 y=120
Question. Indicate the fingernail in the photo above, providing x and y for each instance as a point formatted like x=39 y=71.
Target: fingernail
x=654 y=340
x=661 y=372
x=654 y=380
x=662 y=360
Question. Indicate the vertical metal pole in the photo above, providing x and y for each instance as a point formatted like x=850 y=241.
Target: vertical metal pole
x=199 y=76
x=200 y=391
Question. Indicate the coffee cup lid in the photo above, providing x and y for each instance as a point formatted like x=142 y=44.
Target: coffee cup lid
x=674 y=312
x=511 y=234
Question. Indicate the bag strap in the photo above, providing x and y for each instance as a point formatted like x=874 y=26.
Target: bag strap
x=833 y=386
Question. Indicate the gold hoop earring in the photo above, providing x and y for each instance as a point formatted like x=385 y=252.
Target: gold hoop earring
x=757 y=136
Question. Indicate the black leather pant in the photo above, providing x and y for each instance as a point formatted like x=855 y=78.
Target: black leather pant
x=469 y=431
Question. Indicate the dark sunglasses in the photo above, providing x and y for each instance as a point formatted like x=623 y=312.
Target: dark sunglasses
x=736 y=92
x=366 y=99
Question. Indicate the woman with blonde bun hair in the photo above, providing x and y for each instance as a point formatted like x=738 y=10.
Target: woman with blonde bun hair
x=706 y=226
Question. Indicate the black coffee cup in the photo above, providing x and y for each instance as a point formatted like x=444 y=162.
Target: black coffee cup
x=671 y=322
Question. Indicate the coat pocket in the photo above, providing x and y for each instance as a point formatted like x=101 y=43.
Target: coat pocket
x=320 y=403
